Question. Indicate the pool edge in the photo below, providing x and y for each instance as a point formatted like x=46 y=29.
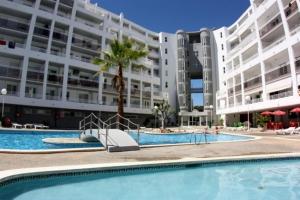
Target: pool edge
x=8 y=175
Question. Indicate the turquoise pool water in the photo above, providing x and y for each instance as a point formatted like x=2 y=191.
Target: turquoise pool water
x=262 y=180
x=155 y=139
x=32 y=140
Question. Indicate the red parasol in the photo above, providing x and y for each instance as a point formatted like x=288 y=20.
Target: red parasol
x=266 y=113
x=279 y=113
x=296 y=110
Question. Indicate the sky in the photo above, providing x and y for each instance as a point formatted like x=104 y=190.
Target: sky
x=172 y=15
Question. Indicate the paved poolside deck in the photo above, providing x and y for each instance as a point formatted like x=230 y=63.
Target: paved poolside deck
x=268 y=144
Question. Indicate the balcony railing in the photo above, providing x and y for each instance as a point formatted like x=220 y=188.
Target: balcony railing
x=51 y=97
x=53 y=78
x=254 y=82
x=271 y=25
x=135 y=92
x=67 y=2
x=281 y=95
x=82 y=100
x=41 y=32
x=230 y=91
x=9 y=24
x=277 y=73
x=35 y=76
x=60 y=37
x=293 y=7
x=9 y=72
x=86 y=44
x=238 y=88
x=83 y=83
x=33 y=95
x=146 y=94
x=81 y=58
x=24 y=2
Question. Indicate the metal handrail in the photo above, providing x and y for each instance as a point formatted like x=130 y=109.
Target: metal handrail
x=129 y=122
x=92 y=120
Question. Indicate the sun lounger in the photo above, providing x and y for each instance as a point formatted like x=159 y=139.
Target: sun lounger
x=297 y=130
x=40 y=126
x=16 y=125
x=29 y=126
x=287 y=131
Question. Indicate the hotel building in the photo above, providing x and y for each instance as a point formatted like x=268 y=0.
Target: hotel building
x=46 y=48
x=259 y=61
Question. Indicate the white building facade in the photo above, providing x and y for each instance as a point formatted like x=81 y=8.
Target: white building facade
x=259 y=61
x=46 y=49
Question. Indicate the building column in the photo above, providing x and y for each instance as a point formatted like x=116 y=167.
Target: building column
x=181 y=120
x=65 y=83
x=189 y=123
x=200 y=120
x=45 y=80
x=206 y=121
x=242 y=90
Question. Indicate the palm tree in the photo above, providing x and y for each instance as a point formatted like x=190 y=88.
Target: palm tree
x=120 y=54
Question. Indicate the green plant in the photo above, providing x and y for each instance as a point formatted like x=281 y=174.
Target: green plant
x=221 y=122
x=164 y=111
x=262 y=120
x=120 y=54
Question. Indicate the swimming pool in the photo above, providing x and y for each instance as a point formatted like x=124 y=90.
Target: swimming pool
x=242 y=180
x=157 y=139
x=32 y=140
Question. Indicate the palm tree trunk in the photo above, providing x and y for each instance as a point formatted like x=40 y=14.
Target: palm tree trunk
x=120 y=97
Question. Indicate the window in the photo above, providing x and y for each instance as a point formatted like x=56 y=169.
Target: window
x=166 y=85
x=224 y=70
x=223 y=58
x=222 y=46
x=166 y=51
x=166 y=39
x=166 y=61
x=221 y=34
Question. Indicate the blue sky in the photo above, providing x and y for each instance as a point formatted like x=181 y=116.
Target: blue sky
x=171 y=15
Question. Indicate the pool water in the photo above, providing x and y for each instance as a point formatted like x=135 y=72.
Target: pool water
x=32 y=140
x=271 y=180
x=156 y=139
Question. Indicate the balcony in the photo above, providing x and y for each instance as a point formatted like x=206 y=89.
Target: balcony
x=41 y=32
x=77 y=82
x=252 y=83
x=89 y=45
x=81 y=58
x=35 y=76
x=270 y=26
x=146 y=94
x=68 y=3
x=24 y=2
x=33 y=95
x=278 y=73
x=16 y=26
x=281 y=95
x=82 y=100
x=61 y=37
x=230 y=91
x=53 y=97
x=10 y=72
x=238 y=88
x=292 y=8
x=55 y=79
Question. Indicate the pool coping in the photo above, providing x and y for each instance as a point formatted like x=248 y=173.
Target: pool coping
x=90 y=149
x=8 y=175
